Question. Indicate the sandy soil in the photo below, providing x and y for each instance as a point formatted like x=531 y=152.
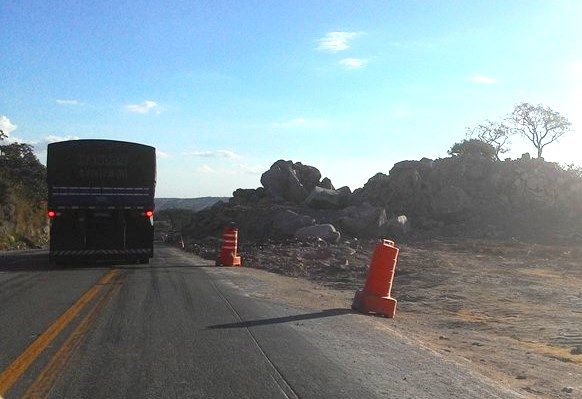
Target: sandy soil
x=513 y=310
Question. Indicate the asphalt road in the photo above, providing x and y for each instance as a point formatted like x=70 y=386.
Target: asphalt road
x=180 y=328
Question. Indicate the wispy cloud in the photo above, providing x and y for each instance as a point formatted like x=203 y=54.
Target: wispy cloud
x=304 y=123
x=69 y=102
x=6 y=126
x=482 y=79
x=142 y=108
x=334 y=42
x=51 y=138
x=205 y=169
x=575 y=69
x=162 y=154
x=251 y=170
x=215 y=154
x=353 y=63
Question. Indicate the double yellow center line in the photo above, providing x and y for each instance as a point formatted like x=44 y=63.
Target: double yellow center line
x=19 y=366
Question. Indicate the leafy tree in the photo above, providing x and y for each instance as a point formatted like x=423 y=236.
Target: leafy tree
x=494 y=133
x=539 y=124
x=473 y=147
x=19 y=167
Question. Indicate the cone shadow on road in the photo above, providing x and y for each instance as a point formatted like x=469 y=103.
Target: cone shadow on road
x=285 y=319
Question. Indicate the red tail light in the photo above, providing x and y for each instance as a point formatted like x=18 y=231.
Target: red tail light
x=149 y=213
x=51 y=214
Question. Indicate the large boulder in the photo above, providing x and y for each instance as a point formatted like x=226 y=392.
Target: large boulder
x=323 y=198
x=308 y=175
x=375 y=191
x=247 y=196
x=326 y=183
x=363 y=220
x=289 y=181
x=326 y=232
x=288 y=222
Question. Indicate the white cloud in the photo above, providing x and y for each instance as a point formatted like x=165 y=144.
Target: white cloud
x=303 y=123
x=353 y=63
x=6 y=126
x=251 y=170
x=51 y=138
x=575 y=69
x=69 y=102
x=205 y=169
x=215 y=154
x=162 y=154
x=142 y=108
x=334 y=42
x=482 y=79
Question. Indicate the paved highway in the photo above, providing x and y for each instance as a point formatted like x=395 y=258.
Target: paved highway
x=180 y=328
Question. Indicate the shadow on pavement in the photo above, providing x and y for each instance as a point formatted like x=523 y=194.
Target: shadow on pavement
x=286 y=319
x=37 y=260
x=24 y=262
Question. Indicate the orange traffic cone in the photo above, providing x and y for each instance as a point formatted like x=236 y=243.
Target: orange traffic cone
x=375 y=297
x=228 y=255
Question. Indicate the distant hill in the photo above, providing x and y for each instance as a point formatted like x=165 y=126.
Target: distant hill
x=193 y=204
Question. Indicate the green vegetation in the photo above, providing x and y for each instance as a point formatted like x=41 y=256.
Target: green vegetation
x=474 y=147
x=22 y=196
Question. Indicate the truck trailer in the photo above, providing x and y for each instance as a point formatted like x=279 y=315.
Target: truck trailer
x=101 y=201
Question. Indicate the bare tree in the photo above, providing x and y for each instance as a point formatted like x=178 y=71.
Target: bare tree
x=493 y=133
x=540 y=124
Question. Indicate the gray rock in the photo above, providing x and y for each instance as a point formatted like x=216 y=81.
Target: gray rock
x=397 y=226
x=288 y=222
x=326 y=183
x=326 y=232
x=244 y=196
x=345 y=191
x=308 y=175
x=363 y=220
x=289 y=181
x=450 y=201
x=323 y=198
x=374 y=191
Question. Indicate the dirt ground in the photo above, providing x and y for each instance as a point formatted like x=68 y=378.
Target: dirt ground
x=513 y=310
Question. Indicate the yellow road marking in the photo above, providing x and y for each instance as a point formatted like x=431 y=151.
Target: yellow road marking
x=11 y=374
x=45 y=380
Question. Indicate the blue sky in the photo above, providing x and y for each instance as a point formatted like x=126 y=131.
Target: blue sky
x=224 y=89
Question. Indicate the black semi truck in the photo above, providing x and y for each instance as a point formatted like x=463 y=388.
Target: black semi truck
x=101 y=200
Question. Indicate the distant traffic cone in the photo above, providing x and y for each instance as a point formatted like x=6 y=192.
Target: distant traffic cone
x=375 y=297
x=228 y=254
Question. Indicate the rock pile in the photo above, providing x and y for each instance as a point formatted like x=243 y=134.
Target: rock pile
x=459 y=195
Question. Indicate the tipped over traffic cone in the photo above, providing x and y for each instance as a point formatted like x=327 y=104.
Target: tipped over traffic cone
x=375 y=297
x=228 y=254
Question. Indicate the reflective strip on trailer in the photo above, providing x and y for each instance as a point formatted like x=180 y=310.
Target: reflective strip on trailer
x=75 y=252
x=97 y=207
